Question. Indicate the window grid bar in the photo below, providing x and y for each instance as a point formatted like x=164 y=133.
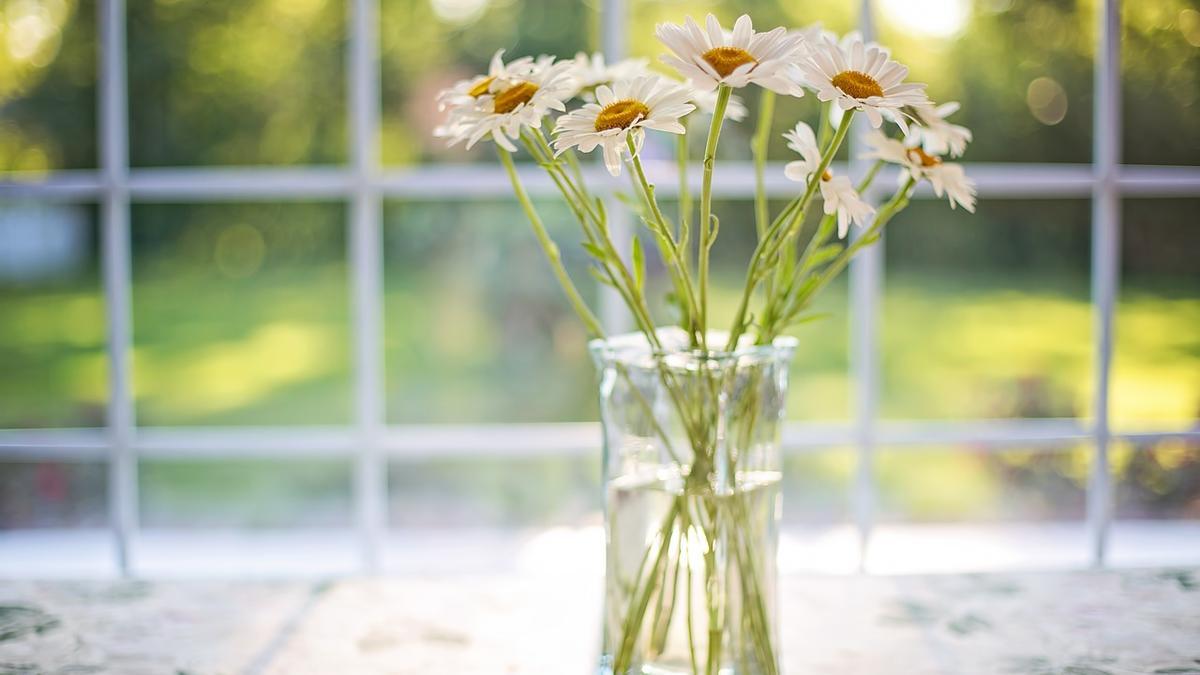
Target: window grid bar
x=1106 y=232
x=365 y=253
x=115 y=262
x=535 y=439
x=994 y=179
x=866 y=273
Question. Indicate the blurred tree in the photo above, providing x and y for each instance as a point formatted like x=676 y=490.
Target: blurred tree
x=47 y=85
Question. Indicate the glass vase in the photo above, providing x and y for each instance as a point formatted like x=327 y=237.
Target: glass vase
x=692 y=469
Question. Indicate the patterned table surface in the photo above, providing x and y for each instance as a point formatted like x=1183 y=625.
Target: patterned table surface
x=1068 y=623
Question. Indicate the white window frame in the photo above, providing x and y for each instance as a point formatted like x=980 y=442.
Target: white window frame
x=364 y=183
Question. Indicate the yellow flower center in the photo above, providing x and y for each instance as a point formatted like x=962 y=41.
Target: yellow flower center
x=512 y=98
x=826 y=176
x=725 y=60
x=857 y=84
x=481 y=87
x=621 y=114
x=919 y=155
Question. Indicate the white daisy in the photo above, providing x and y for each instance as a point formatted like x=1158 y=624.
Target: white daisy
x=466 y=91
x=841 y=198
x=590 y=72
x=628 y=107
x=500 y=103
x=803 y=141
x=706 y=102
x=837 y=192
x=947 y=179
x=861 y=77
x=712 y=57
x=935 y=134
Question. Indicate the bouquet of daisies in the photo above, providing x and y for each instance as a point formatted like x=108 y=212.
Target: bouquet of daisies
x=558 y=110
x=525 y=101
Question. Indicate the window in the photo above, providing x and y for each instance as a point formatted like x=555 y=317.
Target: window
x=224 y=230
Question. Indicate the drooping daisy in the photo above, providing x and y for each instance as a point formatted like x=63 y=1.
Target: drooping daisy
x=837 y=192
x=706 y=102
x=712 y=57
x=591 y=71
x=947 y=178
x=862 y=77
x=935 y=134
x=628 y=107
x=500 y=103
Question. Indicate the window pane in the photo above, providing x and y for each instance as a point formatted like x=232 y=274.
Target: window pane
x=817 y=486
x=236 y=82
x=52 y=363
x=965 y=484
x=1160 y=81
x=960 y=508
x=1157 y=480
x=1022 y=70
x=54 y=520
x=818 y=534
x=240 y=314
x=244 y=493
x=1156 y=360
x=987 y=315
x=1157 y=519
x=477 y=329
x=47 y=85
x=427 y=46
x=480 y=492
x=53 y=495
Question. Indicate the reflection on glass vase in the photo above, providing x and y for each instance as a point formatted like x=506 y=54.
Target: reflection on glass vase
x=692 y=472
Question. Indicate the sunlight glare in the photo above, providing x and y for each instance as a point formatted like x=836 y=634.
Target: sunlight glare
x=927 y=18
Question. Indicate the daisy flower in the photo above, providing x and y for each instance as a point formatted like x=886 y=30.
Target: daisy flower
x=935 y=134
x=590 y=72
x=947 y=179
x=837 y=193
x=628 y=107
x=711 y=57
x=504 y=101
x=862 y=77
x=706 y=102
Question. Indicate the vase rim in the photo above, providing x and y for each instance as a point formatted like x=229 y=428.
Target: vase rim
x=633 y=349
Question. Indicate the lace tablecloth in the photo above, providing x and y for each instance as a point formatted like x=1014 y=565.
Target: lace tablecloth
x=1070 y=623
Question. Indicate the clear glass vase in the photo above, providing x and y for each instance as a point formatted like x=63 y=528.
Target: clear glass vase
x=692 y=471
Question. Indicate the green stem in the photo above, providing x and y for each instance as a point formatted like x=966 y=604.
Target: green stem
x=671 y=252
x=762 y=136
x=550 y=248
x=640 y=599
x=782 y=230
x=685 y=193
x=705 y=224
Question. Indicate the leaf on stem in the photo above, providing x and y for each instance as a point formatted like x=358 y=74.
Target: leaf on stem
x=597 y=252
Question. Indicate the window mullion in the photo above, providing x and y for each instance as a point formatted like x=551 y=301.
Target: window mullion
x=1106 y=229
x=115 y=263
x=365 y=257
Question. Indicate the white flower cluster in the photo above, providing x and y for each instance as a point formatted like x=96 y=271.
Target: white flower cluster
x=620 y=101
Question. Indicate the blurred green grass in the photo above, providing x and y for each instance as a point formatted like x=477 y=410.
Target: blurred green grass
x=274 y=350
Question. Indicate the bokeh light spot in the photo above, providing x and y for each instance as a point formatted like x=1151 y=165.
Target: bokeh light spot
x=928 y=18
x=1189 y=25
x=1047 y=100
x=459 y=11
